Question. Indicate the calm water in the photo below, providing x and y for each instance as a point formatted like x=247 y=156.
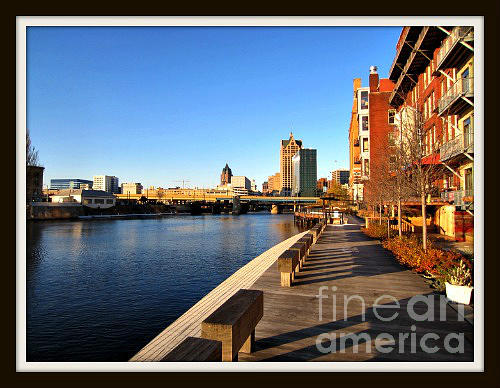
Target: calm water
x=101 y=290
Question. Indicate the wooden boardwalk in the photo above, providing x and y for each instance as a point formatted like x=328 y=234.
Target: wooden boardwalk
x=356 y=265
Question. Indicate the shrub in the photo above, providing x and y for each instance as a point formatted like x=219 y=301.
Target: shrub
x=437 y=264
x=376 y=230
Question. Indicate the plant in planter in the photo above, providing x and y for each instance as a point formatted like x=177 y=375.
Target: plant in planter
x=459 y=284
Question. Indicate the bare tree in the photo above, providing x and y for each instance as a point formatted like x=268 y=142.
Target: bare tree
x=395 y=182
x=419 y=164
x=31 y=152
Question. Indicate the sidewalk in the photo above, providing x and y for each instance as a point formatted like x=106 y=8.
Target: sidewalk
x=449 y=243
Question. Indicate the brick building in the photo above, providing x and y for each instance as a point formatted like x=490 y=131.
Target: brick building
x=225 y=176
x=372 y=119
x=433 y=71
x=274 y=183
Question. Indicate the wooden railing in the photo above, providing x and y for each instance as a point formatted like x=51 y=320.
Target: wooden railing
x=406 y=227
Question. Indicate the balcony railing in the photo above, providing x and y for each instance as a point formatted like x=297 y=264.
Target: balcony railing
x=458 y=197
x=461 y=88
x=457 y=34
x=458 y=145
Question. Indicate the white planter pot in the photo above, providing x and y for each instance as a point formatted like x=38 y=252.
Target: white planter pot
x=458 y=294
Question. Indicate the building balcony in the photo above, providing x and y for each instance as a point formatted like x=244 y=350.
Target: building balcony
x=457 y=98
x=356 y=142
x=357 y=160
x=411 y=59
x=463 y=143
x=453 y=52
x=458 y=197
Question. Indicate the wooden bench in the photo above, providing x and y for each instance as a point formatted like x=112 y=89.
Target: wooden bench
x=194 y=349
x=308 y=239
x=234 y=323
x=315 y=233
x=300 y=246
x=287 y=264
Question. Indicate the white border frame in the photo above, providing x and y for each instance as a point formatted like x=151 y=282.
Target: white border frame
x=25 y=21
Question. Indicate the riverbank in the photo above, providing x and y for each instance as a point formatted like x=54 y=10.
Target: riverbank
x=100 y=289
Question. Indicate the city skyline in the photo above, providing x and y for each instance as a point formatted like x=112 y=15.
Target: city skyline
x=166 y=104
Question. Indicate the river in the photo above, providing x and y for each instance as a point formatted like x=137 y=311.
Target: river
x=100 y=290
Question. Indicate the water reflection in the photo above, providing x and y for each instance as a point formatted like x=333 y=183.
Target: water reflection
x=100 y=290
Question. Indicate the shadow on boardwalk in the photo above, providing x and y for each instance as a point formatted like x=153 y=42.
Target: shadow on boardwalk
x=360 y=271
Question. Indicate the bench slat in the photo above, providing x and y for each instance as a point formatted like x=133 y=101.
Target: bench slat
x=194 y=349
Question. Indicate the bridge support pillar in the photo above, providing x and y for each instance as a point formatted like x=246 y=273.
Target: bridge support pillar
x=275 y=209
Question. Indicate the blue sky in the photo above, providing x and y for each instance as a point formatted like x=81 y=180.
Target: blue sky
x=161 y=104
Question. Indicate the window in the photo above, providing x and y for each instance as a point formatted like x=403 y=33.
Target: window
x=469 y=182
x=468 y=133
x=98 y=200
x=366 y=167
x=109 y=201
x=365 y=144
x=364 y=99
x=364 y=123
x=87 y=201
x=392 y=113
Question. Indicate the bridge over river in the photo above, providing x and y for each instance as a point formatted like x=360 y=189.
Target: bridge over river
x=217 y=203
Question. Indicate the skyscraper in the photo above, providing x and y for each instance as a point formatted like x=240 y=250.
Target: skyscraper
x=226 y=175
x=304 y=164
x=288 y=149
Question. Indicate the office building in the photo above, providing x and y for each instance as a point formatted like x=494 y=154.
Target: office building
x=131 y=188
x=106 y=183
x=225 y=176
x=68 y=183
x=341 y=176
x=304 y=166
x=287 y=150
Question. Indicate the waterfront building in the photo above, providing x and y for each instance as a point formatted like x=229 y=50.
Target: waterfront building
x=265 y=188
x=274 y=183
x=304 y=164
x=131 y=188
x=91 y=198
x=69 y=183
x=322 y=185
x=241 y=185
x=253 y=186
x=287 y=150
x=106 y=183
x=34 y=183
x=372 y=119
x=341 y=176
x=355 y=184
x=433 y=70
x=225 y=176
